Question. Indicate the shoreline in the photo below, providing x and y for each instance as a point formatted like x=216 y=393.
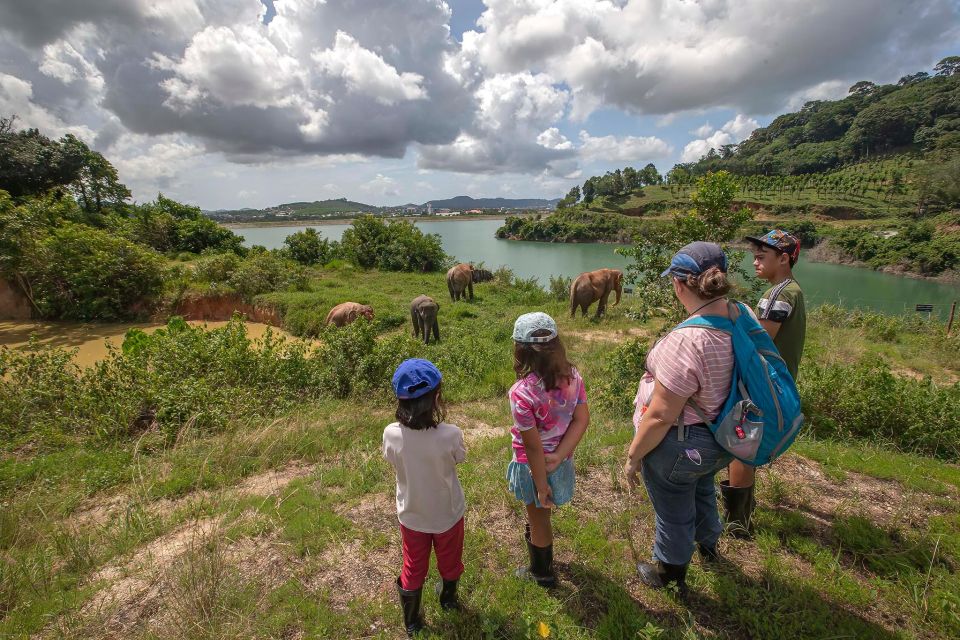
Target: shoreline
x=343 y=221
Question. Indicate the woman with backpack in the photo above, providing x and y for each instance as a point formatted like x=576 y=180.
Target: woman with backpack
x=688 y=379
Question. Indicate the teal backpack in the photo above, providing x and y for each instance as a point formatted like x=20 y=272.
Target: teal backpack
x=761 y=417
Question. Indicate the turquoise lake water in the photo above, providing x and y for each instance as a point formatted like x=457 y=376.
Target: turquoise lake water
x=474 y=241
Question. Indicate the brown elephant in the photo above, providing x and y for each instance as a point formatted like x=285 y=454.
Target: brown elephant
x=459 y=281
x=423 y=314
x=347 y=312
x=592 y=286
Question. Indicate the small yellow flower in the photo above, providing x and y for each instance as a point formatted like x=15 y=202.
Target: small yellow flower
x=544 y=630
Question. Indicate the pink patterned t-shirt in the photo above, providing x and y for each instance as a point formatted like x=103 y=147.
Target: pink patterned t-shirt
x=549 y=411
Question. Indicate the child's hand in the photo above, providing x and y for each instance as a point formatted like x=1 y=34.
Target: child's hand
x=553 y=461
x=546 y=498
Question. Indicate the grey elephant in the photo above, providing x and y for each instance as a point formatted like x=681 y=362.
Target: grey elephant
x=482 y=275
x=423 y=314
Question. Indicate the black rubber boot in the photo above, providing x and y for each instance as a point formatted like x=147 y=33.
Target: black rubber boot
x=660 y=575
x=541 y=564
x=410 y=603
x=738 y=505
x=709 y=555
x=448 y=595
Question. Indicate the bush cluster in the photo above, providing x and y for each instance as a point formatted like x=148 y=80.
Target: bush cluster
x=867 y=401
x=182 y=378
x=395 y=245
x=917 y=246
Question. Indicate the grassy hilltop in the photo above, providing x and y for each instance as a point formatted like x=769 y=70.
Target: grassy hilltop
x=196 y=485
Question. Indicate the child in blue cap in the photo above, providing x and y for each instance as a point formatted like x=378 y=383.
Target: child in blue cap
x=425 y=451
x=550 y=415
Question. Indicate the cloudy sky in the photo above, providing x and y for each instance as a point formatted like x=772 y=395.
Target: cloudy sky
x=231 y=103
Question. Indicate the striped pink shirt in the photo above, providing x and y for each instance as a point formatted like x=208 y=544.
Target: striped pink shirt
x=692 y=362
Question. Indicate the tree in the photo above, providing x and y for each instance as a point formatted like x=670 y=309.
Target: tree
x=308 y=247
x=631 y=179
x=949 y=66
x=572 y=198
x=589 y=190
x=97 y=184
x=912 y=78
x=31 y=163
x=712 y=218
x=863 y=88
x=649 y=175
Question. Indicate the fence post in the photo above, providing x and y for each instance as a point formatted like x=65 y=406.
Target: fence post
x=953 y=309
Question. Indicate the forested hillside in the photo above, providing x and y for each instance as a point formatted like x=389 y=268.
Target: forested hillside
x=921 y=113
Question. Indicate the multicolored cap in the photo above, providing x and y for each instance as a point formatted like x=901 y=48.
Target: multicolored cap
x=695 y=258
x=415 y=377
x=781 y=241
x=529 y=323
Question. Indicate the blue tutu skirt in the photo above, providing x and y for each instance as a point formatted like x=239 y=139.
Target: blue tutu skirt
x=520 y=481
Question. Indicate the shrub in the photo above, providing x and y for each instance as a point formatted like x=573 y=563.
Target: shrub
x=265 y=271
x=867 y=401
x=309 y=247
x=560 y=287
x=396 y=245
x=216 y=267
x=81 y=273
x=352 y=361
x=616 y=388
x=177 y=378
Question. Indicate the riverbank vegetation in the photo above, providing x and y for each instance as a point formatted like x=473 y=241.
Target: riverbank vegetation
x=198 y=484
x=74 y=245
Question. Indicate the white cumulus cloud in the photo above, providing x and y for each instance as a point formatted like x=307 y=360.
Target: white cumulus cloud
x=366 y=72
x=732 y=132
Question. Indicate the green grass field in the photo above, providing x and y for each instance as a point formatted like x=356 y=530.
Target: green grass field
x=283 y=526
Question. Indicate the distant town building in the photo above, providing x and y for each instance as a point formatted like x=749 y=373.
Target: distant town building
x=475 y=211
x=429 y=209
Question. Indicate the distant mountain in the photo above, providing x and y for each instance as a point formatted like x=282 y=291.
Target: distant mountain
x=300 y=210
x=466 y=202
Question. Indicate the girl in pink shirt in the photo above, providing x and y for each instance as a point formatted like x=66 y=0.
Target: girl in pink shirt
x=550 y=415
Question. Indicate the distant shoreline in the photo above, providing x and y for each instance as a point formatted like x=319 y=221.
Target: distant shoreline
x=335 y=221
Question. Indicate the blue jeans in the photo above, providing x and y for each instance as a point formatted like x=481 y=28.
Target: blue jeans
x=679 y=476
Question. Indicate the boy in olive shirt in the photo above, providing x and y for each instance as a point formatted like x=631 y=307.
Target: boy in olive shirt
x=782 y=313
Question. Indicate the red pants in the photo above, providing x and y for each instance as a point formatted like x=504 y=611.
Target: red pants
x=416 y=554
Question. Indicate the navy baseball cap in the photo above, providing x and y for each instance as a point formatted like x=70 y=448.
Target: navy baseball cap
x=695 y=258
x=415 y=377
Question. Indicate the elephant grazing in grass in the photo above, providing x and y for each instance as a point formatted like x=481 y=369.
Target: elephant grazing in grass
x=459 y=281
x=592 y=286
x=347 y=312
x=423 y=314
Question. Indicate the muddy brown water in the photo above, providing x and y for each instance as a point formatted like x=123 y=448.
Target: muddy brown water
x=91 y=340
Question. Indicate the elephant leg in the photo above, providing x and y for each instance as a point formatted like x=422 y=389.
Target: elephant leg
x=470 y=287
x=436 y=330
x=425 y=329
x=416 y=324
x=450 y=289
x=602 y=307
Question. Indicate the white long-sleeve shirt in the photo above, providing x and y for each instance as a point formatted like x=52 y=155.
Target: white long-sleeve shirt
x=429 y=495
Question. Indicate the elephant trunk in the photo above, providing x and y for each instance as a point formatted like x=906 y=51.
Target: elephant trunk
x=619 y=292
